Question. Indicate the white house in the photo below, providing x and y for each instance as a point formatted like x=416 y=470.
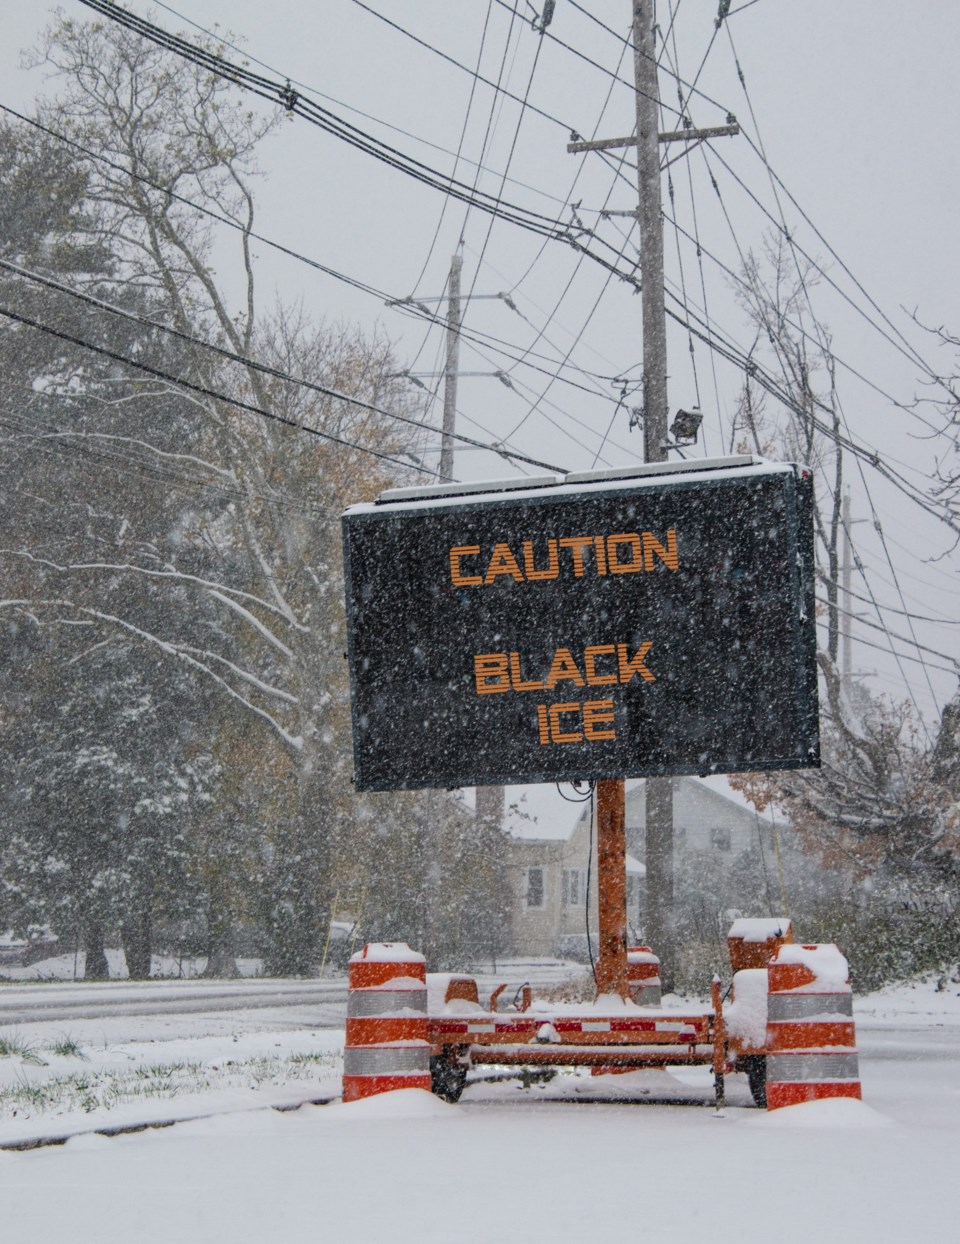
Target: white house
x=552 y=861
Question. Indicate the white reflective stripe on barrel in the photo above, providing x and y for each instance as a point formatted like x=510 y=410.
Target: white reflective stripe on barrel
x=390 y=1060
x=363 y=1002
x=791 y=1068
x=786 y=1006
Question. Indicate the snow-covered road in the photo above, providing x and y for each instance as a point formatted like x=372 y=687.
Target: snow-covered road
x=515 y=1165
x=510 y=1165
x=55 y=1002
x=65 y=1002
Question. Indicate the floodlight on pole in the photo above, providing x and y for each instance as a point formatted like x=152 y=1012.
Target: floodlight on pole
x=684 y=429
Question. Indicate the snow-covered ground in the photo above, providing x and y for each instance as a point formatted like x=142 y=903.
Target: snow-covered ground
x=569 y=1160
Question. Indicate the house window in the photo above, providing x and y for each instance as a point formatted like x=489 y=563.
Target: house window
x=720 y=837
x=573 y=890
x=534 y=896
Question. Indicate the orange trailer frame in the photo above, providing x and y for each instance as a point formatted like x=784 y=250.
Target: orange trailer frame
x=573 y=1037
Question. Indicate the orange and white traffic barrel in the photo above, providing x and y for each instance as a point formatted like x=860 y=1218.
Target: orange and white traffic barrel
x=811 y=1041
x=643 y=975
x=386 y=1042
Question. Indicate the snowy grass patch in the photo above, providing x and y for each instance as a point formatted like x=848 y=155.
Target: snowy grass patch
x=90 y=1090
x=69 y=1080
x=12 y=1045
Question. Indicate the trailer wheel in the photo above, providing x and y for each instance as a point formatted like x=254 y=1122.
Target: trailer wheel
x=755 y=1065
x=448 y=1075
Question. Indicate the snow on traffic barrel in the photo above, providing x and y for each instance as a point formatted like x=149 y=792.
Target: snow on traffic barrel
x=386 y=1044
x=752 y=942
x=643 y=975
x=811 y=1042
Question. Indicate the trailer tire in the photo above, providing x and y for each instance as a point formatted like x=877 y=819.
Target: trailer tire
x=755 y=1065
x=448 y=1075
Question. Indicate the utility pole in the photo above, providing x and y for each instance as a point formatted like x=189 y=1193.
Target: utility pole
x=450 y=374
x=846 y=648
x=611 y=828
x=660 y=923
x=490 y=800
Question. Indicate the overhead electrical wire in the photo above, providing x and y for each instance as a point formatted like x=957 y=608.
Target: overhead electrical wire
x=405 y=306
x=252 y=364
x=671 y=35
x=906 y=613
x=282 y=94
x=161 y=465
x=691 y=87
x=463 y=135
x=203 y=390
x=825 y=349
x=712 y=336
x=881 y=626
x=182 y=48
x=292 y=101
x=510 y=154
x=367 y=116
x=206 y=391
x=541 y=332
x=686 y=317
x=901 y=656
x=453 y=61
x=903 y=347
x=776 y=182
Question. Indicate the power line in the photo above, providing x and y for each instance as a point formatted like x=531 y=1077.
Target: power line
x=906 y=613
x=367 y=116
x=901 y=344
x=692 y=87
x=410 y=306
x=901 y=656
x=712 y=336
x=510 y=154
x=823 y=345
x=452 y=61
x=292 y=101
x=295 y=102
x=205 y=391
x=463 y=135
x=262 y=368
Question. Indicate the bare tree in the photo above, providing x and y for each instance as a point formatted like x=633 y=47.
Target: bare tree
x=775 y=296
x=234 y=573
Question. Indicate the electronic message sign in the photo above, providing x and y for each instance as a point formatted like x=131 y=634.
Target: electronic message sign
x=661 y=623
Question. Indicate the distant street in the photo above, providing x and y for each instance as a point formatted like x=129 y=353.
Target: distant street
x=23 y=1004
x=64 y=1002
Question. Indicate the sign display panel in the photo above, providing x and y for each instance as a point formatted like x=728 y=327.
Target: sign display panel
x=662 y=624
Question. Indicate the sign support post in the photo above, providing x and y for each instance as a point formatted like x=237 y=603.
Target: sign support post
x=660 y=919
x=611 y=801
x=611 y=972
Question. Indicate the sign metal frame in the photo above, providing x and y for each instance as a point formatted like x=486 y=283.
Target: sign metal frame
x=456 y=601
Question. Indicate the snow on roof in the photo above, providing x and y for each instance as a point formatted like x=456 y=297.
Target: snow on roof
x=719 y=783
x=542 y=814
x=634 y=867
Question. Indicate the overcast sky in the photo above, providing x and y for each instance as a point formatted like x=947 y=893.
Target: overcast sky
x=855 y=105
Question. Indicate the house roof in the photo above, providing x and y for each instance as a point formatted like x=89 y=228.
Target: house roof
x=542 y=814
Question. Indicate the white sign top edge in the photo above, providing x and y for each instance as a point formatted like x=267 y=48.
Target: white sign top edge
x=405 y=499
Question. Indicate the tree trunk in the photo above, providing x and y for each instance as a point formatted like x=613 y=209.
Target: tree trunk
x=95 y=964
x=221 y=960
x=137 y=938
